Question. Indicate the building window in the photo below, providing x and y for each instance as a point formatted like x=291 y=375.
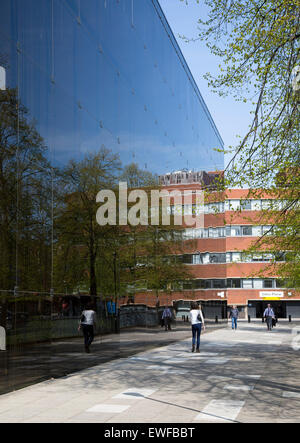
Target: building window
x=197 y=259
x=257 y=283
x=221 y=232
x=257 y=257
x=247 y=283
x=246 y=230
x=279 y=256
x=257 y=231
x=188 y=259
x=177 y=286
x=217 y=258
x=233 y=283
x=280 y=283
x=246 y=205
x=267 y=230
x=188 y=284
x=235 y=231
x=246 y=257
x=267 y=284
x=199 y=284
x=235 y=257
x=266 y=204
x=256 y=205
x=268 y=257
x=218 y=284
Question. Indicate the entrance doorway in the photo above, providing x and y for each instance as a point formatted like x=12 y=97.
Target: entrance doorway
x=279 y=307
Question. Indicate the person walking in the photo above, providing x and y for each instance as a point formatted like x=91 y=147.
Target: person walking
x=167 y=317
x=87 y=322
x=234 y=314
x=269 y=316
x=197 y=321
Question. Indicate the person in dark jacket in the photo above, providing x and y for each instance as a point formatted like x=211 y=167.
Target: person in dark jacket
x=167 y=317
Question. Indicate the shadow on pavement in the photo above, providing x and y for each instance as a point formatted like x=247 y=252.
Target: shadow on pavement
x=24 y=365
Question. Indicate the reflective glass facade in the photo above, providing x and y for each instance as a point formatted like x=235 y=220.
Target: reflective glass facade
x=80 y=76
x=77 y=76
x=107 y=72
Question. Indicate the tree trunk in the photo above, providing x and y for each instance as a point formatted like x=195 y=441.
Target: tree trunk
x=93 y=280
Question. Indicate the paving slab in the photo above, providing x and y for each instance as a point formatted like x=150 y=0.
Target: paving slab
x=228 y=382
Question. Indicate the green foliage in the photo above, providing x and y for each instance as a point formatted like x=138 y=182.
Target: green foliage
x=50 y=237
x=80 y=240
x=144 y=251
x=258 y=42
x=25 y=184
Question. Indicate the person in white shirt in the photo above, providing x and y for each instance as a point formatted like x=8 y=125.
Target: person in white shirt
x=87 y=321
x=197 y=321
x=269 y=315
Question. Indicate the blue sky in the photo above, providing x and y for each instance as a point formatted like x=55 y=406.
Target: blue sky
x=232 y=118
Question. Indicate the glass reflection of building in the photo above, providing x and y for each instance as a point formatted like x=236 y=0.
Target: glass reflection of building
x=95 y=73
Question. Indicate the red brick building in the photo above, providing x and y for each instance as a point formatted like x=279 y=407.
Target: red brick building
x=219 y=268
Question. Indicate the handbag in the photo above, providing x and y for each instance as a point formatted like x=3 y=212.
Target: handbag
x=199 y=317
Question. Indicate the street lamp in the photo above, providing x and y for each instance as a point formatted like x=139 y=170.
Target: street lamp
x=115 y=276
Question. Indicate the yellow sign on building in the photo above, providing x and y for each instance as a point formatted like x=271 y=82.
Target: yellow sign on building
x=272 y=298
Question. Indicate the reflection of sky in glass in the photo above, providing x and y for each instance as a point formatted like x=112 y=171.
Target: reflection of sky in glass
x=101 y=72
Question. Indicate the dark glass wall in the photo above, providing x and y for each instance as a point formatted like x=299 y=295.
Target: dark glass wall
x=83 y=76
x=106 y=72
x=76 y=77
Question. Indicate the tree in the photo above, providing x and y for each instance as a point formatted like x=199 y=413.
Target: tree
x=163 y=269
x=146 y=252
x=259 y=44
x=25 y=212
x=81 y=241
x=137 y=178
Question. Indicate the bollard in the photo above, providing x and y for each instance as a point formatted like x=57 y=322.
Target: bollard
x=262 y=320
x=117 y=324
x=217 y=320
x=290 y=318
x=2 y=339
x=249 y=319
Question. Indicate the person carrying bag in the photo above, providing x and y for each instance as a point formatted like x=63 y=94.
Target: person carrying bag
x=269 y=316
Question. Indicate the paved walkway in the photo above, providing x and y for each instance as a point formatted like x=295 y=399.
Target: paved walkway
x=24 y=365
x=248 y=375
